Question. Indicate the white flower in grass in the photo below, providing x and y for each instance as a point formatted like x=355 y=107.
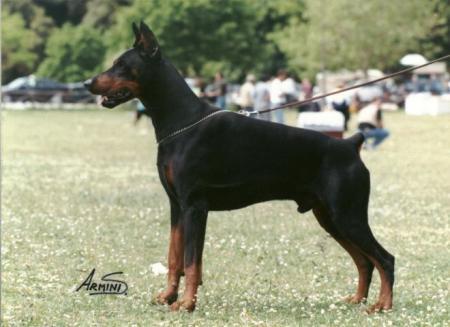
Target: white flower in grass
x=158 y=269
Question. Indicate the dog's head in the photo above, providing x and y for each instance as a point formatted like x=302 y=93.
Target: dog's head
x=122 y=82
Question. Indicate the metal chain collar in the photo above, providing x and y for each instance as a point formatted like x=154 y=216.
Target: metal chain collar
x=181 y=130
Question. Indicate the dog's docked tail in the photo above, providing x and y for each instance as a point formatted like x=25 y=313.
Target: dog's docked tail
x=357 y=140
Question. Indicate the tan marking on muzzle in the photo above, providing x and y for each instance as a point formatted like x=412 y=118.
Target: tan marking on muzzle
x=106 y=84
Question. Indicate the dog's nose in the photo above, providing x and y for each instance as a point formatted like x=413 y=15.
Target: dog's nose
x=87 y=83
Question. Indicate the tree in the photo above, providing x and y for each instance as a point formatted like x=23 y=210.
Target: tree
x=32 y=26
x=199 y=36
x=98 y=12
x=18 y=43
x=354 y=34
x=61 y=11
x=274 y=15
x=437 y=43
x=73 y=54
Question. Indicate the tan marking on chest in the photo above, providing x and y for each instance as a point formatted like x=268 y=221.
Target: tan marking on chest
x=168 y=170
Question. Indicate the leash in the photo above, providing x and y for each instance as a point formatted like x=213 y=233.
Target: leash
x=297 y=103
x=321 y=96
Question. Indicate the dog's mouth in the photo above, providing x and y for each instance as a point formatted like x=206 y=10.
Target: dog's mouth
x=113 y=99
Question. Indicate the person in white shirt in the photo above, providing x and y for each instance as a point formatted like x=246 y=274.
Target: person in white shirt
x=370 y=123
x=282 y=91
x=261 y=97
x=246 y=93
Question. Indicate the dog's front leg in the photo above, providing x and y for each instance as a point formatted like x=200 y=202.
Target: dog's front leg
x=194 y=227
x=175 y=260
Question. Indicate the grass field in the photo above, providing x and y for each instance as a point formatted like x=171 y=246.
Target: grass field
x=81 y=191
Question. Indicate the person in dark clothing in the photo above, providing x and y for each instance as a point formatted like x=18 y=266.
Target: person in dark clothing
x=218 y=91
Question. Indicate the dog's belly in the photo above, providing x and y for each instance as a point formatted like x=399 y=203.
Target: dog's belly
x=240 y=196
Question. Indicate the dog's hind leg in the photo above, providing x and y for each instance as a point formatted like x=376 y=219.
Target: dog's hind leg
x=355 y=229
x=175 y=261
x=363 y=264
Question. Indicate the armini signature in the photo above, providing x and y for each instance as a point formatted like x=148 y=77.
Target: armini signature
x=106 y=285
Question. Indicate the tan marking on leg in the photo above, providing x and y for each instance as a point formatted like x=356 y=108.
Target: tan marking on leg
x=364 y=274
x=176 y=263
x=192 y=277
x=385 y=297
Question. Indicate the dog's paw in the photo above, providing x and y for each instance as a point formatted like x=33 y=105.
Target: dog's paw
x=355 y=299
x=379 y=307
x=183 y=305
x=165 y=298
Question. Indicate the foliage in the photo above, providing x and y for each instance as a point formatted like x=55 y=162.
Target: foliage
x=74 y=53
x=18 y=44
x=199 y=36
x=437 y=43
x=235 y=36
x=62 y=11
x=33 y=13
x=354 y=34
x=273 y=16
x=98 y=12
x=27 y=31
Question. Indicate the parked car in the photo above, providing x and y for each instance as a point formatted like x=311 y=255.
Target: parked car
x=34 y=89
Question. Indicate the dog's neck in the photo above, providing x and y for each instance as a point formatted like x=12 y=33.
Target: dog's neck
x=170 y=101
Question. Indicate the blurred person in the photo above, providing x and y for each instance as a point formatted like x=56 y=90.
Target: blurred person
x=261 y=97
x=246 y=93
x=305 y=94
x=307 y=88
x=190 y=82
x=340 y=102
x=282 y=91
x=199 y=87
x=370 y=123
x=436 y=87
x=355 y=104
x=218 y=91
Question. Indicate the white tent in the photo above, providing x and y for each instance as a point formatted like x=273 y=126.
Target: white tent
x=413 y=59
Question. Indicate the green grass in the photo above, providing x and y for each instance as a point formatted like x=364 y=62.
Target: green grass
x=81 y=190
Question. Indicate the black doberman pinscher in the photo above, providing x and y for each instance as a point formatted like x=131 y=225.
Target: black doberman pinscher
x=210 y=159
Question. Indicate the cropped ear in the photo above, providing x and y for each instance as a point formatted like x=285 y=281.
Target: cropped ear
x=146 y=42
